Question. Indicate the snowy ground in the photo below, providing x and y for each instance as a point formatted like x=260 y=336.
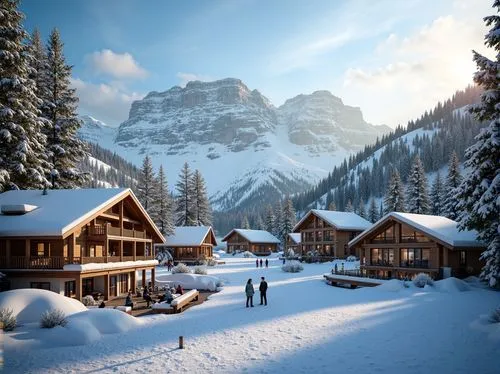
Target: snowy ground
x=308 y=326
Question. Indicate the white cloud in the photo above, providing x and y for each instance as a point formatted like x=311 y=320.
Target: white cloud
x=118 y=65
x=109 y=103
x=184 y=78
x=408 y=74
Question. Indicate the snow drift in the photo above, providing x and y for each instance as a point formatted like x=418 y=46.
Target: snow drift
x=28 y=304
x=189 y=281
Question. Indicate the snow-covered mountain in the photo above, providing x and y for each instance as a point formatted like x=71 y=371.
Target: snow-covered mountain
x=248 y=150
x=94 y=131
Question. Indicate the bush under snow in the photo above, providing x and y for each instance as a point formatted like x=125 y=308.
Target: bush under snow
x=8 y=319
x=189 y=281
x=200 y=270
x=181 y=268
x=248 y=254
x=88 y=300
x=495 y=316
x=211 y=261
x=422 y=279
x=52 y=318
x=292 y=267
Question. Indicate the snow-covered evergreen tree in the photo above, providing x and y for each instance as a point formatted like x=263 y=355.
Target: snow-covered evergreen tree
x=373 y=211
x=437 y=196
x=394 y=196
x=479 y=192
x=381 y=210
x=453 y=180
x=23 y=163
x=164 y=205
x=417 y=196
x=65 y=150
x=147 y=188
x=289 y=219
x=270 y=220
x=201 y=204
x=185 y=214
x=349 y=207
x=278 y=220
x=361 y=209
x=40 y=70
x=332 y=206
x=259 y=223
x=245 y=225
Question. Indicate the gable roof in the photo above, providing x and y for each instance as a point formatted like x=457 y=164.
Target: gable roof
x=60 y=210
x=339 y=220
x=439 y=228
x=295 y=237
x=254 y=236
x=189 y=236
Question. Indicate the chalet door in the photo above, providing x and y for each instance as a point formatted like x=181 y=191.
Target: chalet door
x=112 y=286
x=123 y=283
x=87 y=286
x=69 y=288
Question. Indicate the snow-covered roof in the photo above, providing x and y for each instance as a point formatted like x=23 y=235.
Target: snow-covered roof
x=340 y=220
x=188 y=236
x=295 y=237
x=56 y=212
x=254 y=236
x=440 y=228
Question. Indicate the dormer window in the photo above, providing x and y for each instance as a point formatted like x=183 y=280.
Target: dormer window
x=16 y=209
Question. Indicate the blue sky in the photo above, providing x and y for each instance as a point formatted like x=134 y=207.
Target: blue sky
x=402 y=55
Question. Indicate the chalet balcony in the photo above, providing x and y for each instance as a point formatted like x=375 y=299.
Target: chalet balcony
x=100 y=232
x=58 y=262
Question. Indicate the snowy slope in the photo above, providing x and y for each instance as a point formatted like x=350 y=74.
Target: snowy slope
x=245 y=147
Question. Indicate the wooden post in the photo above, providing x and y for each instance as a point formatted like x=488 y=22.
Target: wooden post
x=106 y=287
x=27 y=252
x=144 y=278
x=153 y=272
x=133 y=281
x=121 y=218
x=78 y=285
x=121 y=249
x=135 y=250
x=106 y=249
x=181 y=342
x=7 y=252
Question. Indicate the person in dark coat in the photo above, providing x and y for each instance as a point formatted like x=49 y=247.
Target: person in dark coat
x=128 y=301
x=102 y=305
x=257 y=263
x=147 y=297
x=249 y=291
x=260 y=262
x=267 y=262
x=179 y=290
x=284 y=260
x=263 y=291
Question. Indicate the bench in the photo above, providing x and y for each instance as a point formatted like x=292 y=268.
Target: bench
x=177 y=304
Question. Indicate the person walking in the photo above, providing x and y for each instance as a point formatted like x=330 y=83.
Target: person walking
x=249 y=291
x=263 y=291
x=267 y=262
x=260 y=262
x=257 y=263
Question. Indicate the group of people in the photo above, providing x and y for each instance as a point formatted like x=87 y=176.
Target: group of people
x=249 y=291
x=257 y=262
x=146 y=295
x=169 y=265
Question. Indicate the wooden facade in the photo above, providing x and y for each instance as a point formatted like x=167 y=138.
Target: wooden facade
x=243 y=240
x=120 y=232
x=397 y=249
x=326 y=238
x=293 y=243
x=191 y=244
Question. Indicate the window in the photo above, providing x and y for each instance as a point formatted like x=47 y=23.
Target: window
x=319 y=236
x=382 y=256
x=87 y=286
x=387 y=236
x=415 y=257
x=40 y=285
x=40 y=250
x=409 y=235
x=463 y=258
x=70 y=288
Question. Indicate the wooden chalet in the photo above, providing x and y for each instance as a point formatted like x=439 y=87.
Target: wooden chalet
x=293 y=242
x=259 y=242
x=328 y=232
x=190 y=244
x=401 y=245
x=76 y=242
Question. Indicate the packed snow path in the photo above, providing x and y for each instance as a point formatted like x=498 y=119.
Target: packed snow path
x=307 y=327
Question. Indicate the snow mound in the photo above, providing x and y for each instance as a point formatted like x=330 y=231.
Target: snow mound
x=452 y=285
x=392 y=285
x=189 y=281
x=28 y=304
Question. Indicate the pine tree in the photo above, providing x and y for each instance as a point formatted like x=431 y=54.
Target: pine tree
x=332 y=206
x=64 y=149
x=479 y=192
x=278 y=220
x=201 y=204
x=453 y=180
x=40 y=70
x=147 y=188
x=373 y=212
x=270 y=220
x=394 y=197
x=417 y=197
x=289 y=219
x=260 y=223
x=23 y=163
x=361 y=209
x=164 y=218
x=184 y=213
x=349 y=207
x=381 y=210
x=437 y=196
x=245 y=225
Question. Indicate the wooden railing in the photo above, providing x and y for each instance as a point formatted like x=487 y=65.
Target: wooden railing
x=103 y=230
